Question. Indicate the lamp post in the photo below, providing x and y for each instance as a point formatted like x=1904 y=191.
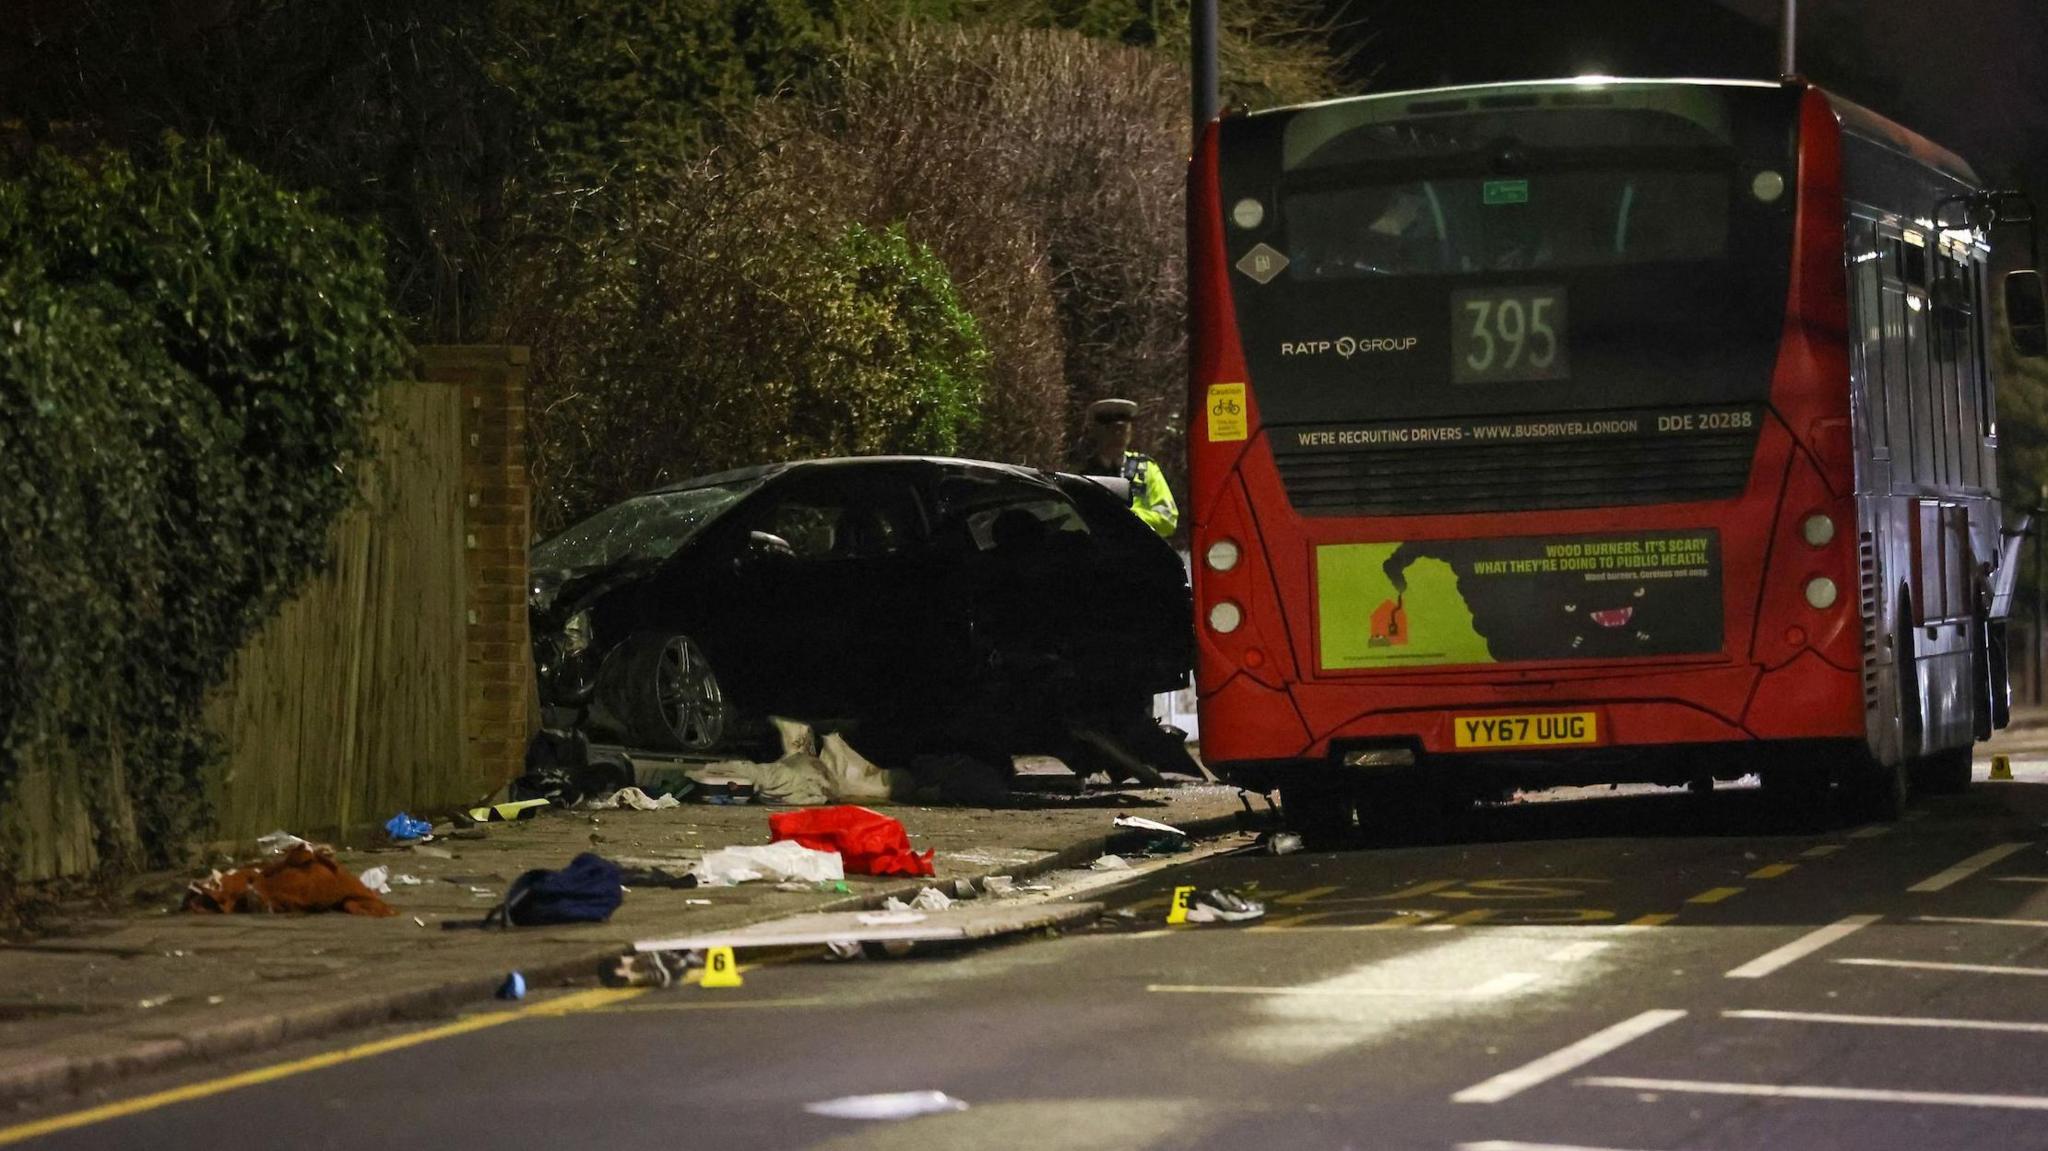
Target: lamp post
x=1202 y=45
x=1788 y=41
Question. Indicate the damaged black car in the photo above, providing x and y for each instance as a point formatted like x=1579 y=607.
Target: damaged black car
x=933 y=606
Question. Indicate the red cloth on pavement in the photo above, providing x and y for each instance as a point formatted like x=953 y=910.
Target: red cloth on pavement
x=868 y=842
x=302 y=879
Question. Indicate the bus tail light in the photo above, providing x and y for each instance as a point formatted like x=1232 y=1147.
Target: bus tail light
x=1225 y=617
x=1810 y=562
x=1242 y=630
x=1821 y=593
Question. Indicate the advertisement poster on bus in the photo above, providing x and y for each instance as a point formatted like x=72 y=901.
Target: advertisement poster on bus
x=1444 y=603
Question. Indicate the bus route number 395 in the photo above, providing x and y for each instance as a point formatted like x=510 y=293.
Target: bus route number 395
x=1506 y=335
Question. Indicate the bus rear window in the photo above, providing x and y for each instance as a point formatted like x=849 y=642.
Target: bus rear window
x=1563 y=220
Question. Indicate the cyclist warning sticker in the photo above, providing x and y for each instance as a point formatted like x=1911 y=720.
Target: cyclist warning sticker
x=1227 y=419
x=1447 y=602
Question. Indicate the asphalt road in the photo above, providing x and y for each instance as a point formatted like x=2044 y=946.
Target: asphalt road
x=1647 y=972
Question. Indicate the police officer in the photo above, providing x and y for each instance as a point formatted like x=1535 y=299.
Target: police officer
x=1106 y=451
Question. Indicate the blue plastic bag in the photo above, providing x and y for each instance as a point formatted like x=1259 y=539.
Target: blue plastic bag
x=403 y=827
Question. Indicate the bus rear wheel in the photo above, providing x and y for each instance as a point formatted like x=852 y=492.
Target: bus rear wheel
x=1321 y=811
x=1946 y=772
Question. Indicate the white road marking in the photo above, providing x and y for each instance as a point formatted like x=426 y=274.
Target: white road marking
x=2021 y=878
x=1800 y=1091
x=1513 y=1145
x=1982 y=922
x=1821 y=852
x=1892 y=1021
x=1577 y=951
x=1503 y=984
x=1509 y=1084
x=1943 y=880
x=1871 y=832
x=1498 y=985
x=1802 y=947
x=1965 y=968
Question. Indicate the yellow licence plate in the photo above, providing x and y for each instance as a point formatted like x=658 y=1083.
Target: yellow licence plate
x=1546 y=729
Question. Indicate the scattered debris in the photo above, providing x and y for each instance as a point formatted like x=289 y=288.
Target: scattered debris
x=377 y=879
x=999 y=885
x=279 y=842
x=1219 y=906
x=932 y=899
x=797 y=780
x=776 y=861
x=302 y=879
x=514 y=987
x=403 y=828
x=634 y=799
x=899 y=1105
x=507 y=812
x=1110 y=863
x=665 y=876
x=562 y=767
x=1140 y=823
x=155 y=1001
x=868 y=842
x=1280 y=842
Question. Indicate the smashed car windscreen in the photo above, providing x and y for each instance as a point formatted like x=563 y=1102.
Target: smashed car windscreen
x=649 y=527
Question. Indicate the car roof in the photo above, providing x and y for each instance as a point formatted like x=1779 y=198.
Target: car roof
x=767 y=471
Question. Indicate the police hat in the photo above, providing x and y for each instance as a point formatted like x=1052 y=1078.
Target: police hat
x=1105 y=411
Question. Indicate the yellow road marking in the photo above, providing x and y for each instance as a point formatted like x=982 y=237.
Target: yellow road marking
x=1419 y=889
x=1773 y=871
x=1466 y=918
x=1821 y=852
x=1715 y=895
x=1657 y=919
x=581 y=1001
x=1396 y=922
x=709 y=1005
x=1309 y=896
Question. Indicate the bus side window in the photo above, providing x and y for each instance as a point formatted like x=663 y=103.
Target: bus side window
x=1980 y=351
x=1868 y=318
x=1929 y=418
x=1943 y=358
x=1901 y=404
x=1960 y=339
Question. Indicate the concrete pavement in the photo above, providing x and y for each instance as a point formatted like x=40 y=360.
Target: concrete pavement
x=111 y=991
x=1646 y=972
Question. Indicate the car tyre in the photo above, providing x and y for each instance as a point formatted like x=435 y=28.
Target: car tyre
x=666 y=694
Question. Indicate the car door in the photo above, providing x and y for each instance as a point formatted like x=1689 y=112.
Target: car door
x=823 y=589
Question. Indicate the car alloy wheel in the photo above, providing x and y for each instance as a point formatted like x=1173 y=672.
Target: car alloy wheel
x=687 y=693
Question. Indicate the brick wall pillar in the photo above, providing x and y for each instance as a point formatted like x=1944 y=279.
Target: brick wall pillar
x=501 y=708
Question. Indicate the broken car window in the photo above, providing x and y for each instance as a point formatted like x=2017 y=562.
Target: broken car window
x=645 y=528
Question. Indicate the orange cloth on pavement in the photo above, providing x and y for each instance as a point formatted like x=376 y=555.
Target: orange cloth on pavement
x=302 y=879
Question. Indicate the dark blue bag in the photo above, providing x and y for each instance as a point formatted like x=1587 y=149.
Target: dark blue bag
x=586 y=891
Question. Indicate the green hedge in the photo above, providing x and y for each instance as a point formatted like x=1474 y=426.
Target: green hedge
x=188 y=359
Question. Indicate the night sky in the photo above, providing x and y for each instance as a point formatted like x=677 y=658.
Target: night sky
x=1972 y=74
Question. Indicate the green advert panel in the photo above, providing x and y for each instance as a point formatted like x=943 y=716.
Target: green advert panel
x=1450 y=602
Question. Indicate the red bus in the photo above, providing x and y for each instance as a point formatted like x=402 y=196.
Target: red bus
x=1590 y=431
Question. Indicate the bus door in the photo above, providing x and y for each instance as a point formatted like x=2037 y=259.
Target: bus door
x=1943 y=584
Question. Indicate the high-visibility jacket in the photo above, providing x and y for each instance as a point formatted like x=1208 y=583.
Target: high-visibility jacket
x=1151 y=499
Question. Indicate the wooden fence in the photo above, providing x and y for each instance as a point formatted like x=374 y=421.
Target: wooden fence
x=402 y=677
